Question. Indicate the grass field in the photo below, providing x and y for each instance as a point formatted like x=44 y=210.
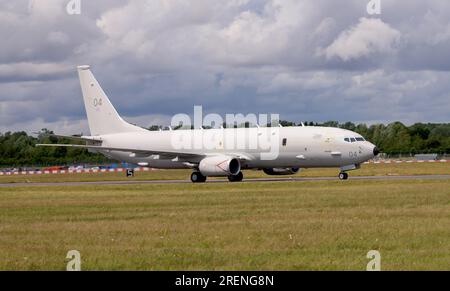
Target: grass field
x=318 y=225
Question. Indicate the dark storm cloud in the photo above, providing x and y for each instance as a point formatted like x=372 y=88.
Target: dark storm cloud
x=307 y=60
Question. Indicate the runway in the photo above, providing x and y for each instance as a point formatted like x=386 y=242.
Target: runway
x=280 y=180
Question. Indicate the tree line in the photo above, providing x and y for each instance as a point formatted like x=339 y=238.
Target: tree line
x=18 y=148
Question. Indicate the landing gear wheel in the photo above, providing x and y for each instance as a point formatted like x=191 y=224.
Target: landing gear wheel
x=236 y=178
x=343 y=176
x=197 y=177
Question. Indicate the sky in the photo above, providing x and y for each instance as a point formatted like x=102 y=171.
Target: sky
x=314 y=60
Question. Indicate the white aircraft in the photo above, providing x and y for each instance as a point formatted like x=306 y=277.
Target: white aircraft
x=297 y=147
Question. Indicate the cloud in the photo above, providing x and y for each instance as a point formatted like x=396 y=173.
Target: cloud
x=368 y=37
x=26 y=71
x=306 y=60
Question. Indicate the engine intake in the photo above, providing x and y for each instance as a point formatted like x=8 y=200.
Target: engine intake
x=219 y=166
x=281 y=171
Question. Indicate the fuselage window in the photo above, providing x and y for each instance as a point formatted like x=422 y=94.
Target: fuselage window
x=284 y=142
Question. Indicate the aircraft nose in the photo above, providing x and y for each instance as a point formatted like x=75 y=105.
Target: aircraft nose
x=376 y=151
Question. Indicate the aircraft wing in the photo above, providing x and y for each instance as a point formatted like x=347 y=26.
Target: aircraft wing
x=192 y=157
x=165 y=154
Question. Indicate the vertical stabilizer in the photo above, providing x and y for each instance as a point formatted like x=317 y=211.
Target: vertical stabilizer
x=102 y=116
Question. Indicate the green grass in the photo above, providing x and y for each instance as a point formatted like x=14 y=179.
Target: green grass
x=366 y=170
x=326 y=225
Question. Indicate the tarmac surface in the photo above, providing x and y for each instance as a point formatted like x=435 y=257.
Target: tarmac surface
x=289 y=179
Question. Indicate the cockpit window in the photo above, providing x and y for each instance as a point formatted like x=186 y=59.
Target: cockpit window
x=354 y=139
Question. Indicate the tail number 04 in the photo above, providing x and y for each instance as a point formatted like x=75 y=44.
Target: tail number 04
x=98 y=102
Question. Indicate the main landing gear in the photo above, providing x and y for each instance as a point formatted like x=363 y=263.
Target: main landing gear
x=236 y=178
x=197 y=177
x=343 y=176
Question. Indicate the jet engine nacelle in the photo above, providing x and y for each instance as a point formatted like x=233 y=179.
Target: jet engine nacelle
x=219 y=166
x=281 y=171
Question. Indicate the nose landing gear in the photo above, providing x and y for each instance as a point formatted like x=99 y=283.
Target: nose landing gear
x=343 y=176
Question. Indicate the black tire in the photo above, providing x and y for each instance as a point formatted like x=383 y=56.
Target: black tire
x=236 y=178
x=197 y=177
x=343 y=176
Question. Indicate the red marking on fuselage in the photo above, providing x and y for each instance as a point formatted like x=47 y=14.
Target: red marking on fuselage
x=219 y=165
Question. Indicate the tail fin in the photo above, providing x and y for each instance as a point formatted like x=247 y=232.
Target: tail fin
x=102 y=117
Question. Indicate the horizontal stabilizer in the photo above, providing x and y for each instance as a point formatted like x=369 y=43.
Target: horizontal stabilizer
x=75 y=137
